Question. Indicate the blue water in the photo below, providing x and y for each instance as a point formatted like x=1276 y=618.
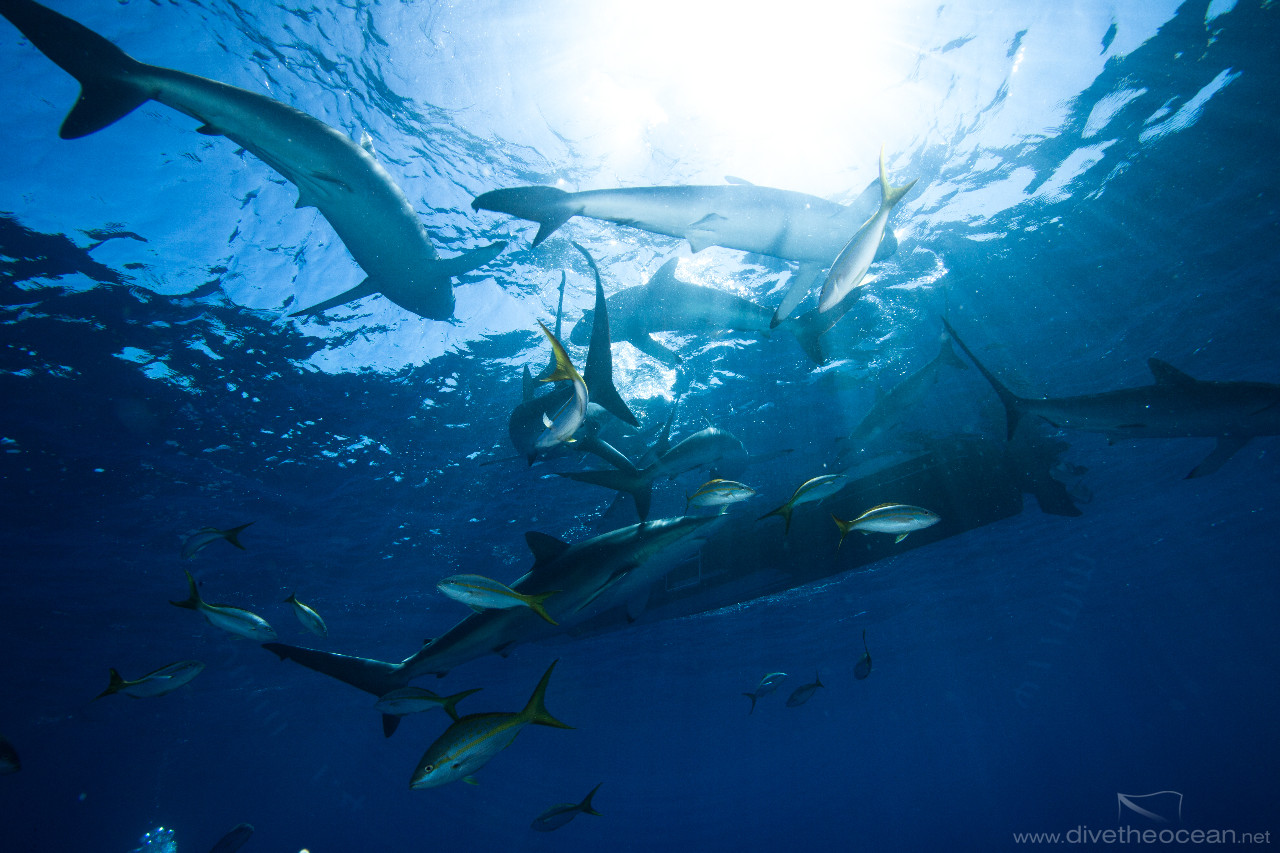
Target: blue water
x=1097 y=186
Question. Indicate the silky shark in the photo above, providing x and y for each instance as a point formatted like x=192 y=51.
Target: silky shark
x=1177 y=405
x=591 y=577
x=667 y=304
x=339 y=178
x=780 y=223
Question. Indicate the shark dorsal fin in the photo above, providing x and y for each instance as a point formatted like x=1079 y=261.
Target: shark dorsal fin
x=599 y=368
x=1166 y=374
x=527 y=385
x=545 y=548
x=665 y=276
x=736 y=181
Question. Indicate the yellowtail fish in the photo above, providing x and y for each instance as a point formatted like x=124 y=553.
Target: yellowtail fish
x=164 y=680
x=574 y=411
x=557 y=816
x=9 y=761
x=804 y=692
x=888 y=518
x=719 y=493
x=308 y=617
x=481 y=593
x=469 y=743
x=231 y=619
x=414 y=700
x=206 y=536
x=819 y=488
x=767 y=685
x=851 y=266
x=863 y=667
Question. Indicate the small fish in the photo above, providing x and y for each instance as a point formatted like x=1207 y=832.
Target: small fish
x=469 y=743
x=481 y=593
x=308 y=617
x=574 y=411
x=719 y=493
x=863 y=667
x=557 y=816
x=767 y=685
x=819 y=488
x=414 y=700
x=231 y=619
x=851 y=266
x=164 y=680
x=202 y=538
x=9 y=761
x=888 y=518
x=804 y=693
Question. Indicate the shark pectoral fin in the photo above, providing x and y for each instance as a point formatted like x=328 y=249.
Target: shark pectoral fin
x=1227 y=445
x=390 y=722
x=372 y=676
x=637 y=603
x=647 y=345
x=469 y=260
x=699 y=239
x=361 y=290
x=797 y=290
x=209 y=130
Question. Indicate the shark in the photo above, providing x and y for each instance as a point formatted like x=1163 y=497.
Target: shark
x=666 y=303
x=592 y=576
x=338 y=177
x=1176 y=405
x=783 y=224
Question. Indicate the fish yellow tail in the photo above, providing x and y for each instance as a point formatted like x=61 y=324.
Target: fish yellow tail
x=192 y=601
x=450 y=703
x=785 y=511
x=535 y=604
x=891 y=195
x=845 y=527
x=536 y=711
x=564 y=367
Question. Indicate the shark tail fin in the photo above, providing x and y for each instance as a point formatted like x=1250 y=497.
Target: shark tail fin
x=586 y=806
x=192 y=601
x=116 y=682
x=233 y=536
x=785 y=511
x=564 y=367
x=891 y=195
x=638 y=485
x=450 y=703
x=1012 y=402
x=536 y=711
x=371 y=676
x=108 y=88
x=535 y=604
x=752 y=697
x=599 y=368
x=547 y=206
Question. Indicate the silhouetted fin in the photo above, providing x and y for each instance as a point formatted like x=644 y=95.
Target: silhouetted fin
x=390 y=722
x=469 y=260
x=234 y=839
x=547 y=206
x=639 y=485
x=1166 y=374
x=1227 y=445
x=1011 y=401
x=599 y=371
x=360 y=291
x=371 y=676
x=545 y=548
x=797 y=290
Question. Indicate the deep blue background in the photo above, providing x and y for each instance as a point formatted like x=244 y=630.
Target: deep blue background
x=1024 y=673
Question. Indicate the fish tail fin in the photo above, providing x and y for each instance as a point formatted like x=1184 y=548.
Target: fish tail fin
x=233 y=536
x=808 y=330
x=547 y=206
x=450 y=703
x=109 y=88
x=586 y=806
x=845 y=527
x=192 y=601
x=639 y=484
x=598 y=373
x=535 y=604
x=390 y=722
x=564 y=367
x=1013 y=404
x=116 y=681
x=892 y=195
x=536 y=711
x=752 y=697
x=785 y=511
